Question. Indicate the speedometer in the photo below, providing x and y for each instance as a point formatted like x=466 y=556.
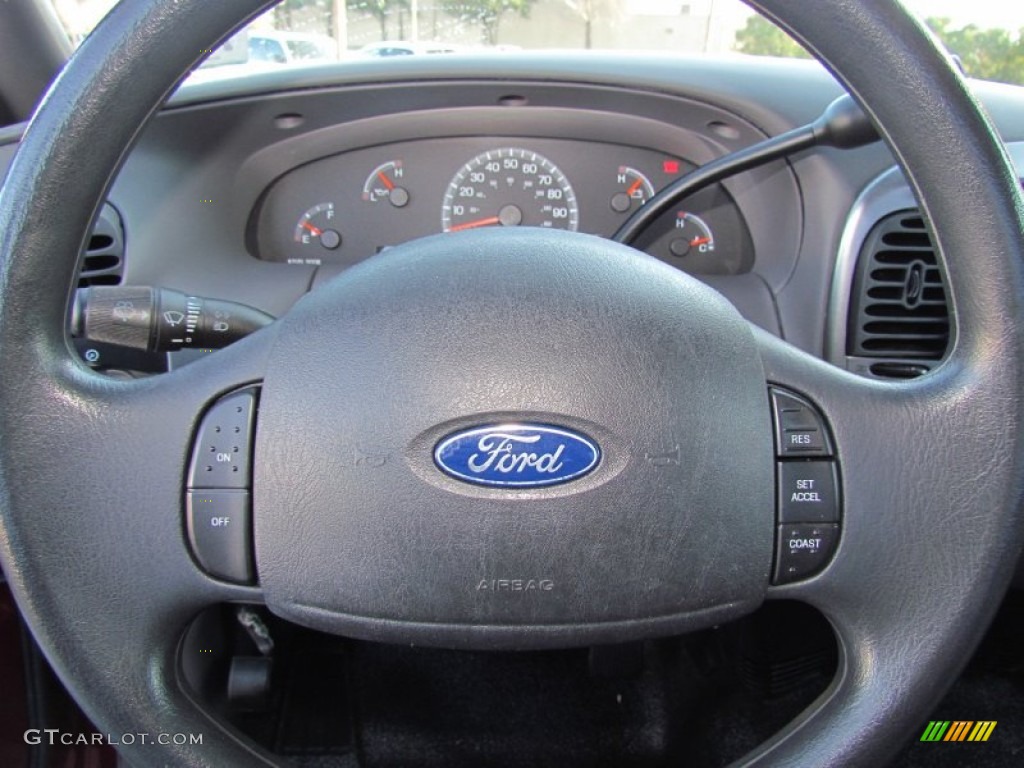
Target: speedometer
x=509 y=187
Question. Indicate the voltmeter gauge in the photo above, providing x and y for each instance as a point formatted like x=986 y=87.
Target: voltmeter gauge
x=632 y=189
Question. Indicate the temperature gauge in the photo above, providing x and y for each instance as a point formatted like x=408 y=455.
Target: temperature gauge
x=704 y=235
x=315 y=226
x=692 y=235
x=633 y=190
x=384 y=183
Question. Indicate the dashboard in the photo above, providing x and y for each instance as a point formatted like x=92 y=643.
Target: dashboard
x=259 y=189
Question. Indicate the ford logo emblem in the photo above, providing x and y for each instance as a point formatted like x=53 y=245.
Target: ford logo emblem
x=516 y=455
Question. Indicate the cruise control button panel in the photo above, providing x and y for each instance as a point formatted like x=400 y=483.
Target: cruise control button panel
x=218 y=499
x=808 y=502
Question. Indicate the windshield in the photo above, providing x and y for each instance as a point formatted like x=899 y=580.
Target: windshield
x=984 y=34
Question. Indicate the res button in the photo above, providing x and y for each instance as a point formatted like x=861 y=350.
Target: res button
x=799 y=429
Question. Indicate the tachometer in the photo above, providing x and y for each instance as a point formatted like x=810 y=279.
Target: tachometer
x=509 y=187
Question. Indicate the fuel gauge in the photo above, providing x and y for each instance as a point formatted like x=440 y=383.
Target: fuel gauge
x=316 y=227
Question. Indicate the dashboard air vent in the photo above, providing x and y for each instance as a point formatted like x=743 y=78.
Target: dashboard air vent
x=103 y=262
x=898 y=308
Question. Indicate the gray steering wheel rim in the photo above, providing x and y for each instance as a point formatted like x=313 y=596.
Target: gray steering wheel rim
x=92 y=116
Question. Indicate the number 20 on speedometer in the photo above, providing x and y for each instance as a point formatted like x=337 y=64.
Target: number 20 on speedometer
x=509 y=187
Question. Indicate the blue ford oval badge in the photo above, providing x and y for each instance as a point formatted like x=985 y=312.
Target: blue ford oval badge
x=516 y=455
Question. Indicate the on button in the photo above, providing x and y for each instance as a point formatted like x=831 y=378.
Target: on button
x=223 y=444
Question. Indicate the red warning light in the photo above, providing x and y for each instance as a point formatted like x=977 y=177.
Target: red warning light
x=670 y=166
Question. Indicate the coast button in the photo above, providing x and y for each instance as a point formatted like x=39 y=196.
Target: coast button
x=803 y=550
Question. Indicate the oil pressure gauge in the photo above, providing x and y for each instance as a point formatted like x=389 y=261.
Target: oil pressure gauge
x=385 y=183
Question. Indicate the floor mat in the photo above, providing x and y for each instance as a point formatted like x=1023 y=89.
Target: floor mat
x=446 y=708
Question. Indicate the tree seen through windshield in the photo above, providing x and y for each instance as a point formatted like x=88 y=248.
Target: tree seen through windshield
x=985 y=34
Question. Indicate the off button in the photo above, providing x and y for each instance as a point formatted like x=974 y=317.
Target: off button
x=220 y=532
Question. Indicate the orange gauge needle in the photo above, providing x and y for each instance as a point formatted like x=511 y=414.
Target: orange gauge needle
x=634 y=187
x=385 y=181
x=700 y=241
x=474 y=224
x=315 y=231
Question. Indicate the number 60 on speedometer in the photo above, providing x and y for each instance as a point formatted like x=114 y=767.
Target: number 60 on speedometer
x=509 y=187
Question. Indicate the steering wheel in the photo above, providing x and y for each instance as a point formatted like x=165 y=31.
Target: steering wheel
x=438 y=337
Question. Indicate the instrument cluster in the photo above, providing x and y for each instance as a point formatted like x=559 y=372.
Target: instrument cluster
x=342 y=209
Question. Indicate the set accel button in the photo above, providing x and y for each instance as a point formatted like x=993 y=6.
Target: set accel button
x=807 y=492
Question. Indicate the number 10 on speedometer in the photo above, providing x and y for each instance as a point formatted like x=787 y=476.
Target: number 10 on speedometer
x=509 y=187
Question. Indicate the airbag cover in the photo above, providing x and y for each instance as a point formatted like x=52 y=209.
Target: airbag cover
x=359 y=530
